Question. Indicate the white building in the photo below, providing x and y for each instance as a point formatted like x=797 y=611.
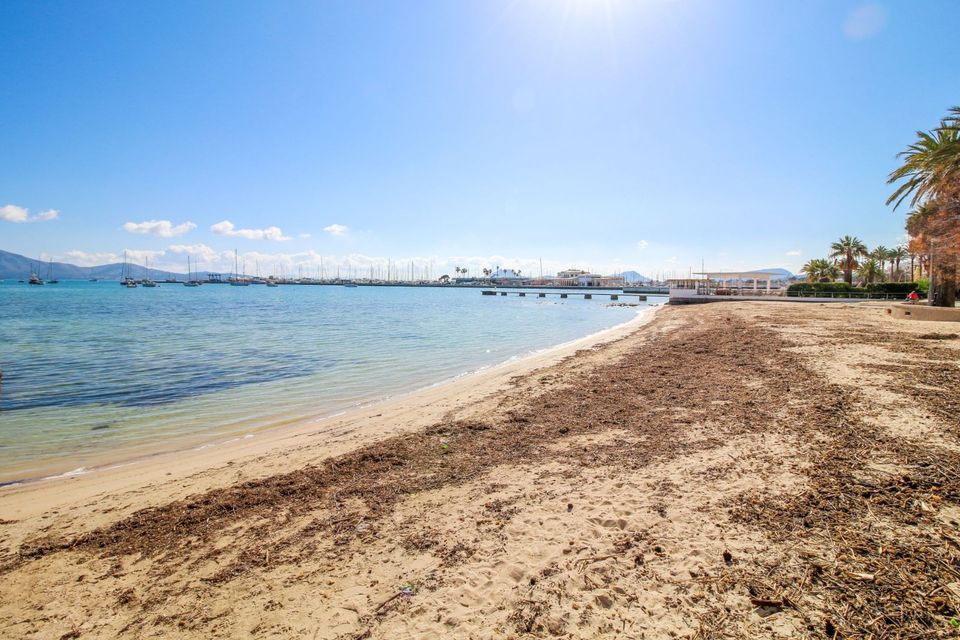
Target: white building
x=581 y=278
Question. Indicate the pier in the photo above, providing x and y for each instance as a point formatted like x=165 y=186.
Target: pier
x=640 y=297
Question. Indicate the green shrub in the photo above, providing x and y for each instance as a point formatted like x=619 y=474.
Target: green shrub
x=893 y=287
x=826 y=287
x=876 y=290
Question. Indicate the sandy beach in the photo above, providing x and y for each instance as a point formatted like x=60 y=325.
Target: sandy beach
x=734 y=470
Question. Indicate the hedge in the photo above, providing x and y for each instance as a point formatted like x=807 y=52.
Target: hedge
x=900 y=288
x=826 y=287
x=893 y=287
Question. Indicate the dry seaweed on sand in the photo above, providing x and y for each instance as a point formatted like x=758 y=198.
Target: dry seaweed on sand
x=860 y=549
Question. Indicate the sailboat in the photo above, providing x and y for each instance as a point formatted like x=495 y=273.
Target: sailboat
x=190 y=281
x=147 y=282
x=125 y=279
x=50 y=278
x=258 y=279
x=272 y=280
x=35 y=279
x=237 y=282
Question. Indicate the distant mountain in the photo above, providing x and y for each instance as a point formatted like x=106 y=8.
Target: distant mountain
x=785 y=275
x=632 y=277
x=15 y=266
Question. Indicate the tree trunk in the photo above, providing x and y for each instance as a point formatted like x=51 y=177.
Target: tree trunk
x=848 y=276
x=944 y=286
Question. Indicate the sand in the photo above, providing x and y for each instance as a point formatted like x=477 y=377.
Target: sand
x=733 y=470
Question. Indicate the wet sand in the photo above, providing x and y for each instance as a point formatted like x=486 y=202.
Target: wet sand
x=733 y=470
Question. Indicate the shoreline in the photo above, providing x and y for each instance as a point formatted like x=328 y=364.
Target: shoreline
x=59 y=468
x=742 y=470
x=27 y=496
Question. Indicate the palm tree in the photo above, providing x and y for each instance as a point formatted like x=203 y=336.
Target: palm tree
x=930 y=178
x=820 y=270
x=869 y=271
x=880 y=255
x=896 y=257
x=931 y=165
x=846 y=252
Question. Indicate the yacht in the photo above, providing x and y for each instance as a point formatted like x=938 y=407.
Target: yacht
x=236 y=281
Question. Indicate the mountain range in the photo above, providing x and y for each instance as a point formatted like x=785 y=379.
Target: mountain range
x=19 y=267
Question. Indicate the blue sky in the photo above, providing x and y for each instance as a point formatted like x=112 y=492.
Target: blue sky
x=602 y=134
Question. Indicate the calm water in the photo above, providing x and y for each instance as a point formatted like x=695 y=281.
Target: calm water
x=94 y=368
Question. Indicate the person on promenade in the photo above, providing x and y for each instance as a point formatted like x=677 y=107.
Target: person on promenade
x=913 y=298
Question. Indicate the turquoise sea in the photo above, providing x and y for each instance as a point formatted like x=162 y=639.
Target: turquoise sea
x=95 y=370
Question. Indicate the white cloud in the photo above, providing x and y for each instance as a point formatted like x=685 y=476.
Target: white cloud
x=86 y=259
x=337 y=229
x=303 y=235
x=199 y=251
x=159 y=228
x=793 y=252
x=43 y=216
x=643 y=244
x=139 y=255
x=13 y=213
x=227 y=228
x=865 y=21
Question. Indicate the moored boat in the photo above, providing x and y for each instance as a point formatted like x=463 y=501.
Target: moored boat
x=191 y=282
x=147 y=282
x=236 y=281
x=50 y=278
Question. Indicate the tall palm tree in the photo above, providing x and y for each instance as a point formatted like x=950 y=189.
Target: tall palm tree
x=880 y=254
x=847 y=252
x=931 y=165
x=930 y=178
x=896 y=256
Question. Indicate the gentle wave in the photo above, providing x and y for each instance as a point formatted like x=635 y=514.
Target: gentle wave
x=93 y=367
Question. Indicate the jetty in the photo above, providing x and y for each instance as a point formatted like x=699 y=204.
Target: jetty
x=640 y=297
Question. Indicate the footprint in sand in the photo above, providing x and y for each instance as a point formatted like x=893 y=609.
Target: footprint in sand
x=609 y=523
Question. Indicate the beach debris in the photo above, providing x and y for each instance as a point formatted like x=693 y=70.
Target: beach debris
x=830 y=513
x=769 y=603
x=831 y=630
x=405 y=591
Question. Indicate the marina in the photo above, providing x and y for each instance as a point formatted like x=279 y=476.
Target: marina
x=566 y=294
